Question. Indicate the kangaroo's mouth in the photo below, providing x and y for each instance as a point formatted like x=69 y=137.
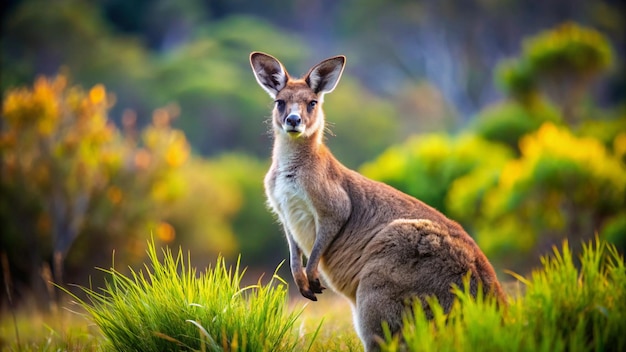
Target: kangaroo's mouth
x=294 y=131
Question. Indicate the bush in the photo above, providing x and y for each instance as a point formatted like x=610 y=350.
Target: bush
x=508 y=121
x=426 y=166
x=560 y=63
x=561 y=185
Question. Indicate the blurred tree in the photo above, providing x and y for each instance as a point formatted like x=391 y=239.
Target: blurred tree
x=57 y=147
x=352 y=115
x=66 y=170
x=455 y=46
x=507 y=121
x=210 y=78
x=224 y=109
x=561 y=63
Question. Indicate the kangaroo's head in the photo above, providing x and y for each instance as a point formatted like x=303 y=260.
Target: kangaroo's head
x=297 y=110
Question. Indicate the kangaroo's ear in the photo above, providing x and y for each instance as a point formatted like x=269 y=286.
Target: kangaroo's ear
x=323 y=77
x=269 y=72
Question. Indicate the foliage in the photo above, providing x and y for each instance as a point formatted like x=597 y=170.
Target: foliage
x=561 y=185
x=58 y=151
x=561 y=63
x=608 y=129
x=507 y=121
x=353 y=112
x=224 y=109
x=564 y=308
x=426 y=166
x=170 y=306
x=74 y=184
x=569 y=48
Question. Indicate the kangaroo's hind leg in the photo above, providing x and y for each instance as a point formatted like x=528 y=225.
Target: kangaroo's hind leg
x=376 y=303
x=408 y=260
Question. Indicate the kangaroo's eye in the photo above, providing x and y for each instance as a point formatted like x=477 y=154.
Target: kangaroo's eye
x=280 y=105
x=311 y=105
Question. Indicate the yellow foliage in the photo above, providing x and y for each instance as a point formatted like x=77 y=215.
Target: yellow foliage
x=178 y=150
x=142 y=159
x=97 y=94
x=619 y=145
x=166 y=232
x=555 y=142
x=570 y=46
x=391 y=162
x=39 y=106
x=561 y=185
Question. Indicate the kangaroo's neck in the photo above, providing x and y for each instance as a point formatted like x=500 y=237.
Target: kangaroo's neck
x=294 y=153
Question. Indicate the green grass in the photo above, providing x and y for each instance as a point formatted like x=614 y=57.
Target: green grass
x=60 y=331
x=570 y=304
x=168 y=306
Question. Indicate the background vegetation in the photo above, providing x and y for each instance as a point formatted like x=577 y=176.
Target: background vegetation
x=125 y=119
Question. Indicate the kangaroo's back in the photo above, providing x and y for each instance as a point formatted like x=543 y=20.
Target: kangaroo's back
x=374 y=244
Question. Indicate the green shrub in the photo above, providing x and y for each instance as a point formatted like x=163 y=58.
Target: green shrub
x=426 y=166
x=170 y=306
x=567 y=307
x=559 y=64
x=506 y=122
x=561 y=185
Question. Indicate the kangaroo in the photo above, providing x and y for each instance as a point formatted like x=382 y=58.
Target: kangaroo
x=377 y=246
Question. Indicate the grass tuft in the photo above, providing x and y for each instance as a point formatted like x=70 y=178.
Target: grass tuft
x=566 y=308
x=169 y=306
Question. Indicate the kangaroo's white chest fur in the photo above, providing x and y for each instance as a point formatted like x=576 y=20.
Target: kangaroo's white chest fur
x=295 y=210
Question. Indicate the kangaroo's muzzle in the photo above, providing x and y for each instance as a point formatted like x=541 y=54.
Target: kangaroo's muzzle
x=293 y=124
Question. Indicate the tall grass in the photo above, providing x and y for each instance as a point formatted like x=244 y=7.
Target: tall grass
x=568 y=306
x=168 y=306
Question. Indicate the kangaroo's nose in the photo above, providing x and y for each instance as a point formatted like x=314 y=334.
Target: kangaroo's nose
x=293 y=120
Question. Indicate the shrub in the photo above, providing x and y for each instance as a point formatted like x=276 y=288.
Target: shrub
x=560 y=63
x=426 y=166
x=508 y=121
x=561 y=185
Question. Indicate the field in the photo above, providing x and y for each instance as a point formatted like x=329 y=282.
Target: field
x=570 y=304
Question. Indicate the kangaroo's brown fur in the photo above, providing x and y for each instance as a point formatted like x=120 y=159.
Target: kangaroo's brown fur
x=377 y=246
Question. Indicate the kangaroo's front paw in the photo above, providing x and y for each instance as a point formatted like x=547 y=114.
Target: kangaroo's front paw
x=303 y=284
x=306 y=292
x=316 y=286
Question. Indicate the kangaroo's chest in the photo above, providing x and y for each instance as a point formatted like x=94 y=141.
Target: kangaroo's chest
x=290 y=201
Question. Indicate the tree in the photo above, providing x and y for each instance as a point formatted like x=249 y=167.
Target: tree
x=67 y=170
x=561 y=63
